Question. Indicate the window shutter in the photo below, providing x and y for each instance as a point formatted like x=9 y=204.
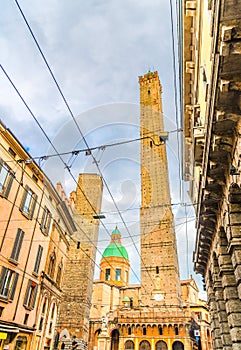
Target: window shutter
x=9 y=185
x=49 y=222
x=35 y=296
x=17 y=245
x=1 y=164
x=24 y=198
x=27 y=293
x=38 y=258
x=14 y=285
x=35 y=197
x=43 y=219
x=2 y=278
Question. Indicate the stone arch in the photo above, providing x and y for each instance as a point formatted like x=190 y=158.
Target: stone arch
x=177 y=345
x=161 y=345
x=129 y=345
x=144 y=345
x=96 y=334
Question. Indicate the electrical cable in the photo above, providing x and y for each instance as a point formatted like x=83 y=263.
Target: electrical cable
x=79 y=130
x=175 y=98
x=86 y=235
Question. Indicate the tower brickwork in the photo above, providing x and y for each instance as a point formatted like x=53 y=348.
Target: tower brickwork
x=159 y=261
x=79 y=272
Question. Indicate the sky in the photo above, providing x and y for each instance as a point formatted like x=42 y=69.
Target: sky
x=96 y=51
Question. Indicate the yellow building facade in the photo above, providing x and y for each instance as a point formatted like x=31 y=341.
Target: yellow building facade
x=46 y=262
x=33 y=247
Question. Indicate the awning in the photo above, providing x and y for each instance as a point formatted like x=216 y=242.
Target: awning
x=8 y=329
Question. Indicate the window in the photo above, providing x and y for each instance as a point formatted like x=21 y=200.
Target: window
x=29 y=201
x=17 y=245
x=31 y=294
x=118 y=274
x=161 y=345
x=6 y=179
x=25 y=321
x=129 y=345
x=144 y=345
x=129 y=330
x=107 y=274
x=157 y=270
x=41 y=322
x=8 y=283
x=46 y=220
x=38 y=259
x=144 y=330
x=59 y=274
x=53 y=311
x=51 y=267
x=1 y=310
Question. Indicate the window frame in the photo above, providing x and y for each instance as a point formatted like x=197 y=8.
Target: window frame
x=8 y=283
x=59 y=274
x=51 y=266
x=30 y=198
x=5 y=187
x=118 y=276
x=46 y=220
x=30 y=295
x=107 y=274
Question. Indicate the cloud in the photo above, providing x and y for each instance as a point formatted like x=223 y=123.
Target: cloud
x=96 y=50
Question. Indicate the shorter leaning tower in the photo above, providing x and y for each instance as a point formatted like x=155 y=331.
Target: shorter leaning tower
x=79 y=270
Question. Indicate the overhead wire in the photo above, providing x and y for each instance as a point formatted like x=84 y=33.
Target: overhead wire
x=70 y=237
x=94 y=210
x=79 y=130
x=175 y=98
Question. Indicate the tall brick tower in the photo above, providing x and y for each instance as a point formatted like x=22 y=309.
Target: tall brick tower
x=79 y=270
x=159 y=261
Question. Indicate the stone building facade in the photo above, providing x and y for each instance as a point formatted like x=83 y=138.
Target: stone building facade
x=151 y=315
x=211 y=46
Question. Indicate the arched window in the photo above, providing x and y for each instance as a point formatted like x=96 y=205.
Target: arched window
x=145 y=345
x=176 y=331
x=115 y=340
x=97 y=333
x=144 y=330
x=59 y=273
x=177 y=345
x=21 y=343
x=160 y=329
x=129 y=345
x=51 y=266
x=161 y=345
x=129 y=330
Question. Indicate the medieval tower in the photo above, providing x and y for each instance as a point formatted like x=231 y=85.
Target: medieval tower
x=157 y=313
x=78 y=278
x=159 y=262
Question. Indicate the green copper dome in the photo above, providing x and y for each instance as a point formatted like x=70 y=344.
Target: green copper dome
x=115 y=248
